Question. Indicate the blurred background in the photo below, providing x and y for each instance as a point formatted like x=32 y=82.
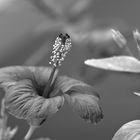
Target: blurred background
x=28 y=29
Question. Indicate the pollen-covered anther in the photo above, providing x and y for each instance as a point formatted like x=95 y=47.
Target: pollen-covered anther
x=61 y=47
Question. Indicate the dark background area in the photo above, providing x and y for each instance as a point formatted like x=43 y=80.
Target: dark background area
x=22 y=43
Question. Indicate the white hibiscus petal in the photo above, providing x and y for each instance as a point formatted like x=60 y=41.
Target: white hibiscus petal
x=116 y=63
x=129 y=131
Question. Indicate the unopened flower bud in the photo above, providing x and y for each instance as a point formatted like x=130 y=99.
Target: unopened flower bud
x=136 y=35
x=118 y=38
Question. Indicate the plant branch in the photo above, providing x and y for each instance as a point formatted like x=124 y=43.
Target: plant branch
x=4 y=119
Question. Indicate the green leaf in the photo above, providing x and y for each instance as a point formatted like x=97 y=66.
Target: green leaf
x=129 y=131
x=116 y=63
x=82 y=98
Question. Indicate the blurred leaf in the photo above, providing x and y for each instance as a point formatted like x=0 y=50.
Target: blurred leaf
x=13 y=5
x=116 y=63
x=43 y=139
x=46 y=8
x=129 y=131
x=6 y=3
x=9 y=133
x=48 y=25
x=6 y=133
x=79 y=6
x=137 y=93
x=82 y=98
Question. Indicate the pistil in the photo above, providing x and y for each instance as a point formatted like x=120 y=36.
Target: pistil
x=61 y=47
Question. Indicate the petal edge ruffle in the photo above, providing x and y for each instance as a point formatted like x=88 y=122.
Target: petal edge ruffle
x=82 y=98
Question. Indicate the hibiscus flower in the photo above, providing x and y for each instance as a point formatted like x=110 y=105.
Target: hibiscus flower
x=36 y=93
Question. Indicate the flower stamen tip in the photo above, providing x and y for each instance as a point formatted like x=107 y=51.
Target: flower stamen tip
x=61 y=47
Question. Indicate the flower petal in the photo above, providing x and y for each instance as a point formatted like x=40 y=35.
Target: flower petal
x=44 y=108
x=129 y=131
x=82 y=98
x=116 y=63
x=16 y=73
x=22 y=101
x=38 y=75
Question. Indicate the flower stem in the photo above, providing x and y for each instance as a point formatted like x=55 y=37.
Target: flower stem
x=2 y=111
x=30 y=132
x=46 y=92
x=4 y=119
